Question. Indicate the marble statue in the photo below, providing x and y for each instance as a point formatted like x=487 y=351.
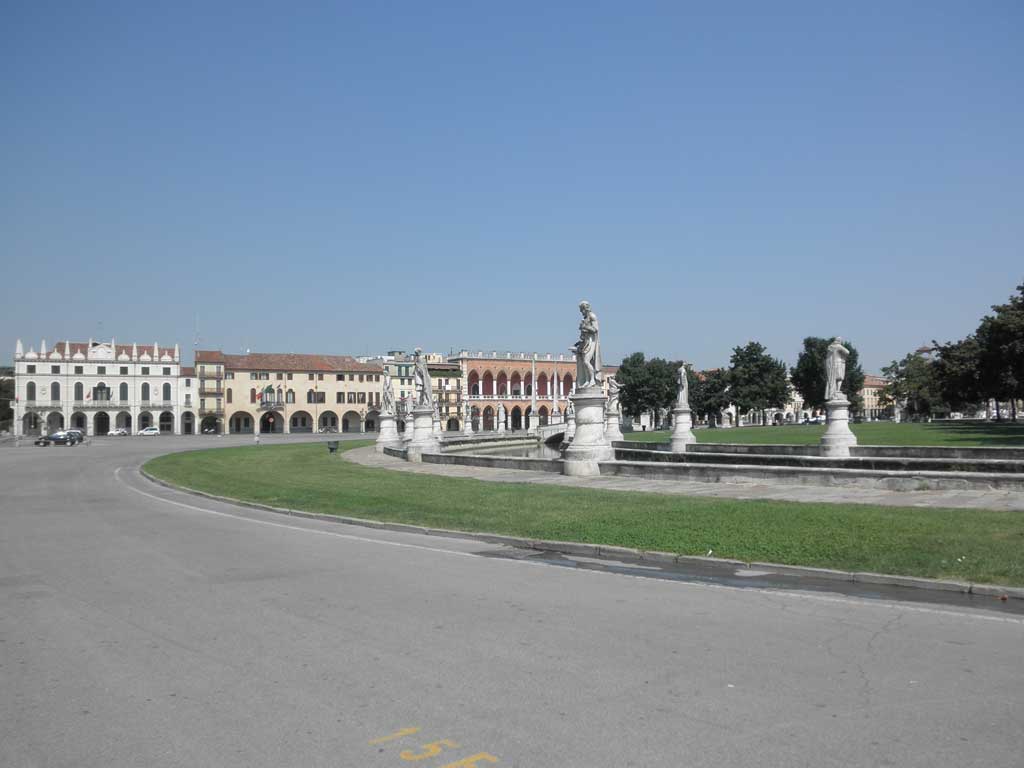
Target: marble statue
x=683 y=384
x=424 y=392
x=835 y=370
x=613 y=395
x=588 y=349
x=570 y=411
x=387 y=396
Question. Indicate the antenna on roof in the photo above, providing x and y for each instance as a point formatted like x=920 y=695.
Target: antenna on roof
x=195 y=332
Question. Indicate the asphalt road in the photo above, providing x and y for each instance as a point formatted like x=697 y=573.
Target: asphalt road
x=145 y=627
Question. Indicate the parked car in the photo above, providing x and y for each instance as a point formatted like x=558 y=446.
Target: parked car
x=150 y=431
x=57 y=438
x=118 y=432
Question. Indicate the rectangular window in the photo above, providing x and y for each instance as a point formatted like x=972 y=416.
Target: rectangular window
x=351 y=397
x=188 y=383
x=167 y=370
x=145 y=370
x=101 y=369
x=202 y=370
x=229 y=375
x=362 y=397
x=340 y=397
x=339 y=377
x=124 y=370
x=319 y=377
x=280 y=376
x=289 y=377
x=351 y=377
x=79 y=369
x=310 y=375
x=360 y=377
x=321 y=397
x=54 y=369
x=30 y=369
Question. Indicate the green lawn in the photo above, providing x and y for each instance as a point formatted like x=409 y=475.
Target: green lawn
x=981 y=546
x=948 y=433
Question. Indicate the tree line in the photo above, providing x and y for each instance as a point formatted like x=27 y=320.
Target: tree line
x=754 y=381
x=965 y=375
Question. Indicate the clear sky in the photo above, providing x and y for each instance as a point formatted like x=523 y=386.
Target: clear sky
x=356 y=177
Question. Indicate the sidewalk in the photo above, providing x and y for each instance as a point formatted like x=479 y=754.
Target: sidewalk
x=997 y=500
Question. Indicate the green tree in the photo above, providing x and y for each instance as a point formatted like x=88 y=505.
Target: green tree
x=958 y=373
x=647 y=386
x=913 y=383
x=708 y=393
x=808 y=375
x=6 y=396
x=757 y=381
x=1001 y=358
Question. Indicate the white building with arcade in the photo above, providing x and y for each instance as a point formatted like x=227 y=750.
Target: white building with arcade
x=98 y=385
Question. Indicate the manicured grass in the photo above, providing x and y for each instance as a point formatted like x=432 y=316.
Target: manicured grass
x=947 y=433
x=981 y=546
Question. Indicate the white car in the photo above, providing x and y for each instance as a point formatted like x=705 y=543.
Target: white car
x=118 y=432
x=150 y=431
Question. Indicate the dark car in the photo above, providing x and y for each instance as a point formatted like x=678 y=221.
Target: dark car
x=58 y=438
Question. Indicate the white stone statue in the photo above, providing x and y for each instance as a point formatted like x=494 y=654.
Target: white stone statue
x=570 y=411
x=683 y=384
x=588 y=350
x=387 y=395
x=613 y=395
x=835 y=370
x=501 y=413
x=424 y=392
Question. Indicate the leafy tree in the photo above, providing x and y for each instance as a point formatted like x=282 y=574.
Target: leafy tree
x=958 y=373
x=647 y=386
x=1001 y=358
x=808 y=375
x=6 y=396
x=708 y=393
x=757 y=381
x=912 y=381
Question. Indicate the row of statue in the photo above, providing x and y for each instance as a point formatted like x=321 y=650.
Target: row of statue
x=587 y=351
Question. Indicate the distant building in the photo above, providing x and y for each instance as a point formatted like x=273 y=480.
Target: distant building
x=285 y=393
x=870 y=396
x=95 y=386
x=532 y=386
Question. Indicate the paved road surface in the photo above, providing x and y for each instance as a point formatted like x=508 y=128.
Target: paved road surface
x=145 y=627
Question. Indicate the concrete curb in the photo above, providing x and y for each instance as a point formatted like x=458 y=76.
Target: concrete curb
x=623 y=553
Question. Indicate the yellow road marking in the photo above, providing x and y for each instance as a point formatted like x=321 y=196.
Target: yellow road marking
x=395 y=735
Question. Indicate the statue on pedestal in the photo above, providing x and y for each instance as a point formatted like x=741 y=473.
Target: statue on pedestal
x=387 y=395
x=683 y=384
x=424 y=391
x=613 y=395
x=588 y=349
x=835 y=370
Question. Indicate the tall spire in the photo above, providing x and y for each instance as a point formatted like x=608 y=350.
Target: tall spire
x=42 y=348
x=177 y=352
x=19 y=350
x=67 y=349
x=135 y=351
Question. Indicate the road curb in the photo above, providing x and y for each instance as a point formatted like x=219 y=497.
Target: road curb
x=623 y=553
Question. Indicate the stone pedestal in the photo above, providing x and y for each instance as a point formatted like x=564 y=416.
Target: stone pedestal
x=682 y=429
x=388 y=435
x=436 y=426
x=612 y=429
x=500 y=424
x=570 y=427
x=838 y=438
x=589 y=443
x=467 y=427
x=423 y=438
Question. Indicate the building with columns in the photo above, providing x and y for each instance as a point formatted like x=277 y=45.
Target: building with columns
x=284 y=393
x=96 y=386
x=533 y=387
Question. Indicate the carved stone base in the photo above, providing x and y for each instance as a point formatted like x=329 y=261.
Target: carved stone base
x=423 y=438
x=570 y=427
x=589 y=444
x=388 y=436
x=838 y=438
x=612 y=428
x=682 y=429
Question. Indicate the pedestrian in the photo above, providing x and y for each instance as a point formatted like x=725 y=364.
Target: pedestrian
x=256 y=438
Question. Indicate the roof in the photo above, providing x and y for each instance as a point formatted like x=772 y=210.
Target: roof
x=286 y=361
x=187 y=370
x=872 y=381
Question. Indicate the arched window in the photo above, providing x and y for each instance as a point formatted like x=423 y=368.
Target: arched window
x=145 y=391
x=30 y=391
x=55 y=392
x=167 y=393
x=229 y=394
x=290 y=397
x=252 y=395
x=122 y=392
x=79 y=392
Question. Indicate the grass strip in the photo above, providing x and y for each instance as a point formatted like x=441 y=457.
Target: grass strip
x=972 y=545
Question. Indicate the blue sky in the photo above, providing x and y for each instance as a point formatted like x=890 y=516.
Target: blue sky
x=350 y=178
